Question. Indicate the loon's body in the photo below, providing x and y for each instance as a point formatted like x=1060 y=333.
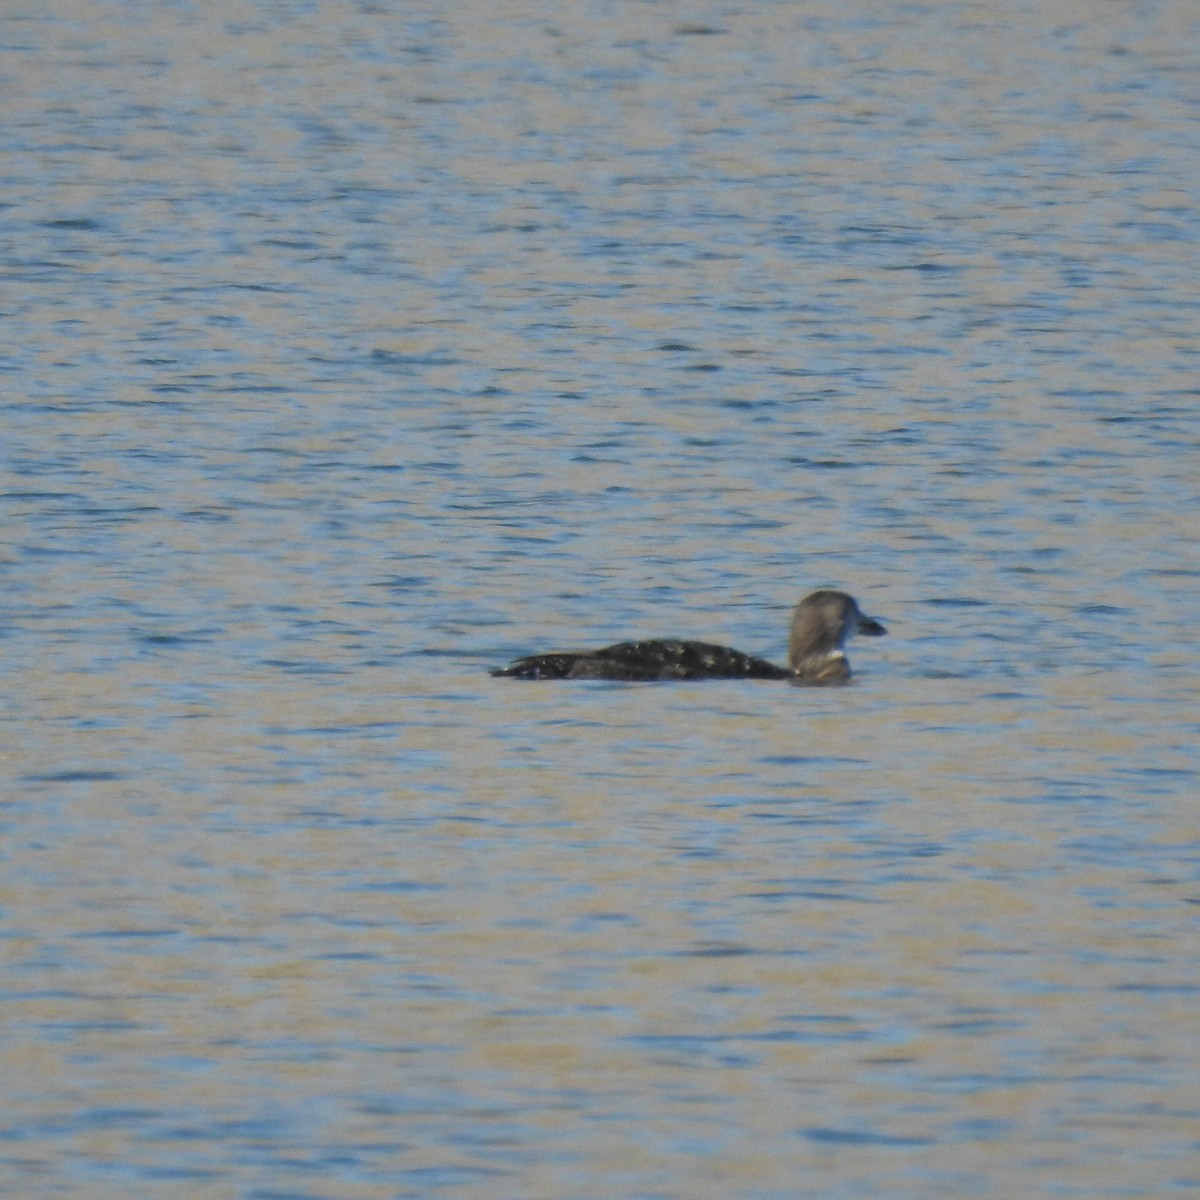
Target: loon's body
x=821 y=625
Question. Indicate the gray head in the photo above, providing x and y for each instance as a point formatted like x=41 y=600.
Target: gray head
x=821 y=625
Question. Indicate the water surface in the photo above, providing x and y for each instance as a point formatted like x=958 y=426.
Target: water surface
x=354 y=348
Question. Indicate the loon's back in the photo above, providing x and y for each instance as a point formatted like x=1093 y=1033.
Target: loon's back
x=641 y=662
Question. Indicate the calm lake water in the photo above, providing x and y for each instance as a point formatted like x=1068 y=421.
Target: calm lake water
x=352 y=348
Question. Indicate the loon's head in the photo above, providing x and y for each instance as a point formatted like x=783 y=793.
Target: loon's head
x=821 y=625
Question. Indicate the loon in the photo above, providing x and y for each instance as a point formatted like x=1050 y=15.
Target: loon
x=816 y=652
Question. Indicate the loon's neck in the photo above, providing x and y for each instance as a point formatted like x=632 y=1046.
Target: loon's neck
x=828 y=667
